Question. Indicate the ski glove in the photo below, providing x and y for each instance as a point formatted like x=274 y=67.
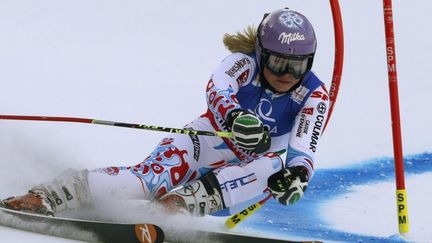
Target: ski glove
x=248 y=131
x=288 y=185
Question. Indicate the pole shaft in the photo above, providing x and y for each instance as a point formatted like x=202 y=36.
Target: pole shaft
x=394 y=94
x=401 y=202
x=117 y=124
x=339 y=55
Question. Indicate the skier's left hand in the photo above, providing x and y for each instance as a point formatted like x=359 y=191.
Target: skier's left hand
x=288 y=185
x=248 y=131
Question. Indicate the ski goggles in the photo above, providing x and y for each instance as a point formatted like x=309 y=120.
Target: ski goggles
x=281 y=64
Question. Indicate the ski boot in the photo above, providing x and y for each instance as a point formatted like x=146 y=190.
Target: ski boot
x=35 y=201
x=198 y=198
x=68 y=191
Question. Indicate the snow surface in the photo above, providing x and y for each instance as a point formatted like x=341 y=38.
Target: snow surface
x=148 y=62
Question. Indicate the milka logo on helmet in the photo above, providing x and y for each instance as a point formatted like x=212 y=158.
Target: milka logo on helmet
x=291 y=19
x=288 y=38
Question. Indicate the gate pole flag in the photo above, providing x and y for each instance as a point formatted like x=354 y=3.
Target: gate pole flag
x=401 y=199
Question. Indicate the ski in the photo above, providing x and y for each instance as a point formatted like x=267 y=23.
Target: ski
x=99 y=231
x=84 y=230
x=227 y=237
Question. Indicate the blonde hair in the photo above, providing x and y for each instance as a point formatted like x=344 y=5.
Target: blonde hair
x=241 y=42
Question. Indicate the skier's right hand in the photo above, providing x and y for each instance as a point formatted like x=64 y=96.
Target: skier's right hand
x=288 y=185
x=248 y=131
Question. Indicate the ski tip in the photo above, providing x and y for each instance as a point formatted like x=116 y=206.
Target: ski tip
x=149 y=233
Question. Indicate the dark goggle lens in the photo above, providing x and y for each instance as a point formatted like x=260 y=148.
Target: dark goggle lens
x=296 y=66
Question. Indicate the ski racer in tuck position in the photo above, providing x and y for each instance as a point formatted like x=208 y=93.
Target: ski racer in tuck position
x=264 y=93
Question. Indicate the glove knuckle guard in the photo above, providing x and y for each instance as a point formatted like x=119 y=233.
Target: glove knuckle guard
x=248 y=131
x=288 y=185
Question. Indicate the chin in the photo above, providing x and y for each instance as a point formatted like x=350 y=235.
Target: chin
x=283 y=87
x=282 y=90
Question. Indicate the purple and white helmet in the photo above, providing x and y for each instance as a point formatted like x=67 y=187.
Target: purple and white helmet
x=286 y=43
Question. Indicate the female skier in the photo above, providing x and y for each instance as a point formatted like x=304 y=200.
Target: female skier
x=265 y=94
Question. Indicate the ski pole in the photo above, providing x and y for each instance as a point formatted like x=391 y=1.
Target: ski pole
x=236 y=219
x=117 y=124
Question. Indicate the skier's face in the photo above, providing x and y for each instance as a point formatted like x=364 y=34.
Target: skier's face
x=280 y=83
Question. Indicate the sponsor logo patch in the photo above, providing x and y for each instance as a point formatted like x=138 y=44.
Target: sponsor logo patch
x=291 y=19
x=316 y=132
x=145 y=233
x=321 y=107
x=196 y=146
x=319 y=95
x=237 y=66
x=290 y=37
x=243 y=77
x=235 y=183
x=308 y=110
x=303 y=127
x=299 y=94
